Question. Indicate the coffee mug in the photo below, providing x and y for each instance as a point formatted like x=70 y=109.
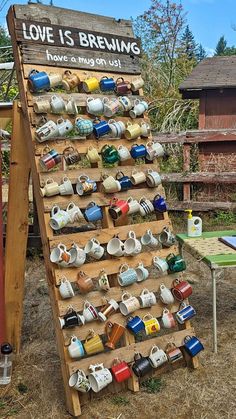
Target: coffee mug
x=59 y=218
x=149 y=240
x=85 y=185
x=66 y=188
x=146 y=207
x=181 y=289
x=60 y=255
x=153 y=179
x=117 y=128
x=135 y=324
x=71 y=319
x=92 y=155
x=55 y=79
x=78 y=381
x=93 y=213
x=137 y=84
x=99 y=378
x=103 y=281
x=185 y=313
x=137 y=177
x=114 y=332
x=142 y=272
x=94 y=249
x=127 y=275
x=70 y=80
x=49 y=160
x=174 y=354
x=168 y=319
x=71 y=156
x=132 y=131
x=145 y=129
x=74 y=212
x=120 y=371
x=107 y=84
x=71 y=107
x=85 y=285
x=90 y=313
x=192 y=345
x=95 y=106
x=167 y=238
x=159 y=203
x=157 y=357
x=77 y=256
x=175 y=263
x=47 y=131
x=166 y=295
x=154 y=150
x=38 y=80
x=140 y=106
x=42 y=105
x=75 y=348
x=122 y=87
x=118 y=208
x=107 y=310
x=90 y=84
x=115 y=247
x=152 y=325
x=65 y=289
x=129 y=304
x=50 y=188
x=147 y=298
x=93 y=343
x=111 y=107
x=138 y=151
x=125 y=181
x=160 y=264
x=84 y=127
x=57 y=104
x=110 y=154
x=123 y=153
x=110 y=184
x=141 y=366
x=100 y=128
x=132 y=245
x=134 y=206
x=126 y=103
x=64 y=127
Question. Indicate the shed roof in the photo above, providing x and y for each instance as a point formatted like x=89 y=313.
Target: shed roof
x=212 y=73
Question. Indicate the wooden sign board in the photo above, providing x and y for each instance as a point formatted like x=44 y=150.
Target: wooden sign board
x=45 y=37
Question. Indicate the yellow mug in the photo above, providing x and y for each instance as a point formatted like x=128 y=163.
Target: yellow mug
x=93 y=344
x=90 y=84
x=132 y=131
x=92 y=155
x=152 y=325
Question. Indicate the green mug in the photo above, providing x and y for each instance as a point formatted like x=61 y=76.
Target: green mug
x=110 y=154
x=176 y=263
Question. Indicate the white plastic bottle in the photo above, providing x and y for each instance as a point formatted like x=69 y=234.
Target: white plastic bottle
x=194 y=225
x=5 y=364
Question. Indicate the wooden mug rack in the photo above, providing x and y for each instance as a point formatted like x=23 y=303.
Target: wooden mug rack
x=31 y=54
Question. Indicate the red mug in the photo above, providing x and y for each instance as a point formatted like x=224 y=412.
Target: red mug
x=122 y=87
x=118 y=208
x=181 y=289
x=120 y=371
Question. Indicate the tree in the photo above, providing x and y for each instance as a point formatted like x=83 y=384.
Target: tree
x=4 y=38
x=221 y=46
x=201 y=53
x=188 y=44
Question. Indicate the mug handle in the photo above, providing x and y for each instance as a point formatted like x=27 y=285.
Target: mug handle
x=187 y=338
x=55 y=210
x=165 y=311
x=49 y=180
x=137 y=102
x=137 y=355
x=126 y=296
x=125 y=265
x=109 y=325
x=145 y=291
x=70 y=206
x=67 y=72
x=91 y=204
x=60 y=121
x=68 y=149
x=91 y=332
x=89 y=99
x=111 y=121
x=62 y=247
x=148 y=316
x=119 y=173
x=94 y=240
x=119 y=78
x=155 y=348
x=83 y=178
x=132 y=235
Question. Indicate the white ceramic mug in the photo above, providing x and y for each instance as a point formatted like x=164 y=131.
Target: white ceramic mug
x=57 y=104
x=66 y=187
x=60 y=255
x=149 y=240
x=78 y=381
x=51 y=188
x=142 y=272
x=125 y=103
x=65 y=289
x=167 y=238
x=134 y=206
x=139 y=108
x=123 y=153
x=75 y=348
x=115 y=247
x=71 y=107
x=147 y=298
x=132 y=245
x=145 y=129
x=78 y=256
x=129 y=304
x=168 y=319
x=64 y=127
x=90 y=312
x=47 y=131
x=59 y=218
x=153 y=178
x=95 y=106
x=137 y=177
x=137 y=84
x=117 y=128
x=74 y=212
x=146 y=207
x=99 y=378
x=111 y=185
x=160 y=264
x=154 y=150
x=166 y=295
x=157 y=357
x=94 y=249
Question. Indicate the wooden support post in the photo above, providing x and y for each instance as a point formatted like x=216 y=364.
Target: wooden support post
x=186 y=167
x=17 y=230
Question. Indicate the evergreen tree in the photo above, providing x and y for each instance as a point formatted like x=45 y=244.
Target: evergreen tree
x=4 y=38
x=221 y=46
x=200 y=53
x=188 y=44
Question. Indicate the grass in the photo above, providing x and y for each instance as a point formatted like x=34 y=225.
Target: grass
x=119 y=400
x=153 y=385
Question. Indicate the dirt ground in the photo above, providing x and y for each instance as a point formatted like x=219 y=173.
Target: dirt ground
x=206 y=393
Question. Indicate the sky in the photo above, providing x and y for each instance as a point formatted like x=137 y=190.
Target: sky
x=208 y=19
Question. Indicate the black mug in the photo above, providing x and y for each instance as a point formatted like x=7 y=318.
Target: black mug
x=141 y=365
x=70 y=319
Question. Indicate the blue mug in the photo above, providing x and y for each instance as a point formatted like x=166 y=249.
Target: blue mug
x=159 y=203
x=192 y=345
x=38 y=80
x=186 y=313
x=93 y=213
x=135 y=324
x=138 y=151
x=100 y=128
x=125 y=181
x=107 y=84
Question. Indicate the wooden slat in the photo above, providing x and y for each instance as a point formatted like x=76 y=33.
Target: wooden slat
x=93 y=269
x=127 y=353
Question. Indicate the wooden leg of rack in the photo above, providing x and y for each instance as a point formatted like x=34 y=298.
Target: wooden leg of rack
x=17 y=231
